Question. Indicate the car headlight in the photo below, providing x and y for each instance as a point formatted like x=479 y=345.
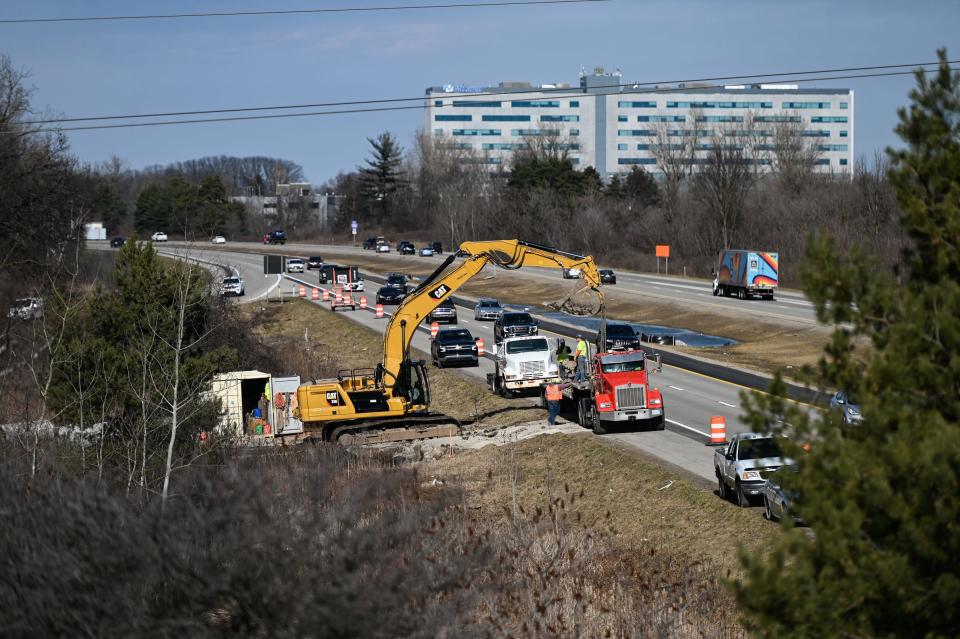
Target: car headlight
x=852 y=410
x=747 y=475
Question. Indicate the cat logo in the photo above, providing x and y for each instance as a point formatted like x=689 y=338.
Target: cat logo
x=333 y=398
x=439 y=292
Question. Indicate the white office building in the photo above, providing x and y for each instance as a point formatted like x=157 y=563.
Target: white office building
x=613 y=126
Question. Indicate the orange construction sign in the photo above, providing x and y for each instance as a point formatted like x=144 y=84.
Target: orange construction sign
x=663 y=250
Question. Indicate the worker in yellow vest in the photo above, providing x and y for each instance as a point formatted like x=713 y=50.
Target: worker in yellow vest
x=553 y=393
x=581 y=355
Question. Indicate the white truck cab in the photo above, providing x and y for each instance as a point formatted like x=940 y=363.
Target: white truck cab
x=523 y=363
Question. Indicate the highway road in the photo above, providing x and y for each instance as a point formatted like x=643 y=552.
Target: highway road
x=789 y=307
x=690 y=398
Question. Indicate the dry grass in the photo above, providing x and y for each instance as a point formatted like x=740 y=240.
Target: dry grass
x=625 y=493
x=352 y=345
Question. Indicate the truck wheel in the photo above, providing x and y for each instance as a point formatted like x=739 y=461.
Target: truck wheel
x=582 y=413
x=598 y=426
x=657 y=423
x=716 y=291
x=767 y=511
x=722 y=487
x=742 y=294
x=741 y=497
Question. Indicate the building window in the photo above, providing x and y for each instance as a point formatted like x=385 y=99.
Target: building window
x=822 y=162
x=636 y=161
x=827 y=119
x=843 y=105
x=535 y=103
x=501 y=146
x=622 y=147
x=559 y=118
x=506 y=118
x=815 y=133
x=622 y=118
x=778 y=118
x=476 y=131
x=843 y=161
x=480 y=160
x=719 y=105
x=637 y=105
x=843 y=134
x=534 y=132
x=720 y=118
x=574 y=132
x=458 y=146
x=475 y=103
x=809 y=105
x=643 y=147
x=661 y=118
x=574 y=104
x=832 y=147
x=626 y=133
x=438 y=103
x=452 y=118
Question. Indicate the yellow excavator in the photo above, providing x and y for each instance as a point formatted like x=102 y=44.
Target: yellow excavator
x=392 y=401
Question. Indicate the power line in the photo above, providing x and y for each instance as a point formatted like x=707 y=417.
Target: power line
x=420 y=106
x=479 y=94
x=277 y=12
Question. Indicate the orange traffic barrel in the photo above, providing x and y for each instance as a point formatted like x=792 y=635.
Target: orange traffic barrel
x=480 y=346
x=434 y=329
x=363 y=302
x=326 y=295
x=303 y=291
x=718 y=430
x=315 y=294
x=379 y=311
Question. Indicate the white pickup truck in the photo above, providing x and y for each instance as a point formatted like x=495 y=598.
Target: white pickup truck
x=522 y=363
x=743 y=465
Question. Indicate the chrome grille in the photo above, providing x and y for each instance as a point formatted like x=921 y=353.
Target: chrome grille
x=631 y=397
x=531 y=368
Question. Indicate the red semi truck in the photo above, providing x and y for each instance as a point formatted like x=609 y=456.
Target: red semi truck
x=617 y=393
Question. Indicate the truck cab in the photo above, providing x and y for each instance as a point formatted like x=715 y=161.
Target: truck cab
x=621 y=390
x=743 y=465
x=522 y=363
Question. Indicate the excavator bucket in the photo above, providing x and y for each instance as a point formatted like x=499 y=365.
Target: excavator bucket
x=583 y=301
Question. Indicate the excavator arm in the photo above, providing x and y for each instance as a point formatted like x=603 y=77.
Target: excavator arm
x=508 y=254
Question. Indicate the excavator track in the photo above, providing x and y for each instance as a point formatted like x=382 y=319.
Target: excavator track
x=395 y=429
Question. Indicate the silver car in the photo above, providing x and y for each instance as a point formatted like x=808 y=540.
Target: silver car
x=778 y=502
x=849 y=406
x=487 y=309
x=294 y=265
x=232 y=286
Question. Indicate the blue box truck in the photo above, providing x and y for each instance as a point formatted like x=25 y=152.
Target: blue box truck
x=747 y=273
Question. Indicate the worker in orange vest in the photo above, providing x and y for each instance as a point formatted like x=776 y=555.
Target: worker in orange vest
x=553 y=393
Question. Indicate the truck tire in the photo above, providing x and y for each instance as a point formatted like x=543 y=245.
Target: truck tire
x=742 y=294
x=722 y=486
x=582 y=413
x=598 y=426
x=658 y=423
x=740 y=497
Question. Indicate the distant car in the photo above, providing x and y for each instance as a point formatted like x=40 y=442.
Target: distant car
x=383 y=248
x=437 y=248
x=159 y=236
x=218 y=239
x=27 y=308
x=314 y=261
x=487 y=309
x=621 y=336
x=777 y=502
x=514 y=325
x=398 y=280
x=117 y=242
x=275 y=237
x=370 y=244
x=406 y=248
x=426 y=251
x=607 y=276
x=294 y=265
x=849 y=406
x=446 y=312
x=232 y=286
x=571 y=273
x=454 y=345
x=391 y=295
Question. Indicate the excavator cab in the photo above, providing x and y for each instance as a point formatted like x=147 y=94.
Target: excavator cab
x=412 y=385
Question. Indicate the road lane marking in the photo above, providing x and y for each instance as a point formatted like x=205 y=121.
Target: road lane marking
x=730 y=405
x=674 y=387
x=690 y=428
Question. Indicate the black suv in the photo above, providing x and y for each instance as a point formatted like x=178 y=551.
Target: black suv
x=437 y=248
x=607 y=276
x=454 y=345
x=315 y=261
x=370 y=244
x=406 y=248
x=117 y=242
x=276 y=237
x=514 y=325
x=621 y=336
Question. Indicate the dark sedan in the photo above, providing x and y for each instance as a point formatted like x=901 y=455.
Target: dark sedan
x=390 y=295
x=454 y=346
x=117 y=242
x=607 y=276
x=315 y=261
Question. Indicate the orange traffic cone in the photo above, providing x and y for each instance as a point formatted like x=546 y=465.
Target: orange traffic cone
x=718 y=431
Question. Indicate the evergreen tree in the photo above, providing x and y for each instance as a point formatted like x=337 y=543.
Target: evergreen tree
x=382 y=178
x=184 y=205
x=108 y=207
x=641 y=186
x=883 y=497
x=555 y=174
x=152 y=211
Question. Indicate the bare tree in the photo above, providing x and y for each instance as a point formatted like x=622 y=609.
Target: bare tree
x=675 y=148
x=794 y=154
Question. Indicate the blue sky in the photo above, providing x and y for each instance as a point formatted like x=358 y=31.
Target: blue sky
x=81 y=69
